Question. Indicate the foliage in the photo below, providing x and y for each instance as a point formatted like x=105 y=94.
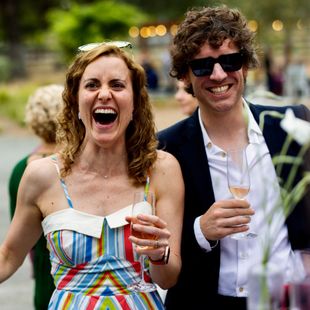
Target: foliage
x=265 y=12
x=13 y=101
x=162 y=10
x=290 y=194
x=96 y=22
x=4 y=68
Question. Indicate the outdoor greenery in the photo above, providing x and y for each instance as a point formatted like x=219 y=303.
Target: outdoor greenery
x=13 y=100
x=94 y=22
x=62 y=25
x=30 y=22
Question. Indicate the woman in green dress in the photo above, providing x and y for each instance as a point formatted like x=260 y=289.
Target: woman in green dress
x=40 y=116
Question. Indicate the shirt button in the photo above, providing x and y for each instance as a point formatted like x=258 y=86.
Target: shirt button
x=241 y=289
x=209 y=145
x=223 y=154
x=243 y=255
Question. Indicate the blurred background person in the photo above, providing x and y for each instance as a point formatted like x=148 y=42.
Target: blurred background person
x=150 y=71
x=296 y=81
x=274 y=74
x=40 y=117
x=188 y=103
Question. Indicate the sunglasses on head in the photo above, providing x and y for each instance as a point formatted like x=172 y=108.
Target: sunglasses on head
x=204 y=66
x=90 y=46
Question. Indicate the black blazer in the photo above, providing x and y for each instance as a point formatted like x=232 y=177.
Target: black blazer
x=184 y=140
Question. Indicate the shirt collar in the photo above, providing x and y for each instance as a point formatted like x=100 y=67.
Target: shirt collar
x=254 y=132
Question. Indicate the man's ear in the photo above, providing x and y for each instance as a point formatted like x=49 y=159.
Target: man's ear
x=188 y=85
x=244 y=72
x=186 y=80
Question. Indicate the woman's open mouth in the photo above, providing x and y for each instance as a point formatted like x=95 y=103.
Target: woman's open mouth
x=104 y=116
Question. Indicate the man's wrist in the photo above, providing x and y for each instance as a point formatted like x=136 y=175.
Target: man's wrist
x=213 y=243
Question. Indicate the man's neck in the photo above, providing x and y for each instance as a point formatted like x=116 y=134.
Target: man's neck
x=226 y=130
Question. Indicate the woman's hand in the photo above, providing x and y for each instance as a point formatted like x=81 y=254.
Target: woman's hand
x=153 y=235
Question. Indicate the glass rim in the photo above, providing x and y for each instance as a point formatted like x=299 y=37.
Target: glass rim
x=89 y=46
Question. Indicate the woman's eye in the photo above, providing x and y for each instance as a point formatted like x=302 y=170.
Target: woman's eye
x=118 y=85
x=91 y=85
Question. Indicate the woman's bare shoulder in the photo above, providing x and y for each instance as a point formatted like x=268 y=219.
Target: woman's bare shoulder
x=166 y=166
x=166 y=160
x=40 y=172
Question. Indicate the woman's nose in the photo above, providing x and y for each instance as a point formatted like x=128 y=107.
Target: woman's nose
x=104 y=93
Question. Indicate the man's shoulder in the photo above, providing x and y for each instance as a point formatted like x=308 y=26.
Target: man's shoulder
x=179 y=127
x=176 y=134
x=299 y=110
x=173 y=128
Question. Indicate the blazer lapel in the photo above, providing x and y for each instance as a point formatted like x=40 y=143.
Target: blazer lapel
x=274 y=138
x=197 y=169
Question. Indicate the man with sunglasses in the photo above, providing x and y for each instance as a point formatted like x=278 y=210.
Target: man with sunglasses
x=212 y=53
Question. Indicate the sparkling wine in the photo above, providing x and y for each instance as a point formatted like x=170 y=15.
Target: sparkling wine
x=239 y=192
x=139 y=234
x=143 y=203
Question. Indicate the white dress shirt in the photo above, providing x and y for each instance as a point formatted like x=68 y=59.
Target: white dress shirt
x=237 y=256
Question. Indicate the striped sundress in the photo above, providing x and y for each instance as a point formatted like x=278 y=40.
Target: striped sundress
x=93 y=261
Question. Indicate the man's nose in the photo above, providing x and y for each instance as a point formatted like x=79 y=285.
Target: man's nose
x=218 y=73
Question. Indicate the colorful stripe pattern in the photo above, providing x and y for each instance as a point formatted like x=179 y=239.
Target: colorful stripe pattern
x=91 y=273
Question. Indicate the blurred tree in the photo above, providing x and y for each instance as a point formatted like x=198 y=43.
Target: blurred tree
x=11 y=32
x=94 y=22
x=25 y=23
x=294 y=14
x=167 y=10
x=21 y=22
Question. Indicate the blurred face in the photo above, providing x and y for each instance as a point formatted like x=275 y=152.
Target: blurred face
x=187 y=102
x=220 y=82
x=106 y=100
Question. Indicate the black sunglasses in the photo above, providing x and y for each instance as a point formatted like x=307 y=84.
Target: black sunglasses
x=204 y=66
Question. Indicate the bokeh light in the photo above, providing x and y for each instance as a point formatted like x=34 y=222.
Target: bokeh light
x=134 y=32
x=277 y=25
x=253 y=25
x=161 y=30
x=173 y=29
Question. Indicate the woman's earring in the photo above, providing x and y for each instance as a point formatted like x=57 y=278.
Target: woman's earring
x=79 y=115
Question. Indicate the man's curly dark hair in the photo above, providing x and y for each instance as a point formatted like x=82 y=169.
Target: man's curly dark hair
x=212 y=25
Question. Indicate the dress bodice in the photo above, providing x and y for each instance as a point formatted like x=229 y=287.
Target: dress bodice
x=93 y=261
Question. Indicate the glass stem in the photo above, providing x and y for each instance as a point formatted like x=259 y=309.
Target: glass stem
x=142 y=259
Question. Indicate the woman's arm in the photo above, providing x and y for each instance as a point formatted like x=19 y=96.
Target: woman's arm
x=25 y=228
x=167 y=183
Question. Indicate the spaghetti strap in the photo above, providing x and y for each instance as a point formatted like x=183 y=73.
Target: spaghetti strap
x=62 y=182
x=147 y=187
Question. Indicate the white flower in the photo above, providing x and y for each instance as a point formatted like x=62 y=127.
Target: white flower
x=299 y=129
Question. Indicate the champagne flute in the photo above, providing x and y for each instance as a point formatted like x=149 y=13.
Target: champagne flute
x=144 y=203
x=238 y=178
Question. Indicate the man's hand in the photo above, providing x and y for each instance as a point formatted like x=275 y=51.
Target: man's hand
x=226 y=217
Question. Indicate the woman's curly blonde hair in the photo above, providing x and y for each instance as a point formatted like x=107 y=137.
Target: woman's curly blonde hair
x=41 y=111
x=141 y=142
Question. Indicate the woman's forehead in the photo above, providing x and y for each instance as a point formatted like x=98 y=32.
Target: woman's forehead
x=107 y=65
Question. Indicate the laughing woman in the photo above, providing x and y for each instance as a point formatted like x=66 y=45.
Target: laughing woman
x=81 y=198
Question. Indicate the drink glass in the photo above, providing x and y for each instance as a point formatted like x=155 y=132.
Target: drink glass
x=144 y=203
x=300 y=287
x=238 y=179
